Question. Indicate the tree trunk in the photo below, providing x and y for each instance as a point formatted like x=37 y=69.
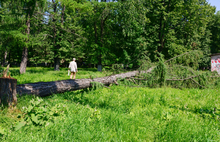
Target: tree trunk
x=56 y=48
x=101 y=46
x=101 y=40
x=1 y=58
x=4 y=59
x=8 y=91
x=161 y=30
x=24 y=58
x=48 y=88
x=57 y=64
x=9 y=57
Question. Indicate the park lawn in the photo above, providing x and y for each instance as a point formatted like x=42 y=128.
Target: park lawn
x=122 y=114
x=44 y=74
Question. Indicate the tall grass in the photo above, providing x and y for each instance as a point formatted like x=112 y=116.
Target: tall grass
x=124 y=114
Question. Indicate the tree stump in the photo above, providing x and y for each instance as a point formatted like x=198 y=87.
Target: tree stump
x=8 y=91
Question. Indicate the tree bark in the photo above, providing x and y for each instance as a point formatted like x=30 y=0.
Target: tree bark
x=47 y=88
x=56 y=63
x=24 y=58
x=8 y=91
x=4 y=59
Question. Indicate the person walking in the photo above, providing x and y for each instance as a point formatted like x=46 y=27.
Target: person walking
x=73 y=69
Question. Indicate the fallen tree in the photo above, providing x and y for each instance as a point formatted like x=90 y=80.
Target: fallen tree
x=164 y=73
x=48 y=88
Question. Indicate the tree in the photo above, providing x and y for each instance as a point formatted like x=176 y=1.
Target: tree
x=26 y=8
x=117 y=32
x=177 y=26
x=215 y=30
x=10 y=33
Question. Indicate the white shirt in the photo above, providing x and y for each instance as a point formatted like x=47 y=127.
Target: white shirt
x=73 y=66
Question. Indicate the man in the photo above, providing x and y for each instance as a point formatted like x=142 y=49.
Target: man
x=73 y=69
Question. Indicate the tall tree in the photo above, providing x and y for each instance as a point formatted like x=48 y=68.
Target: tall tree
x=215 y=30
x=25 y=8
x=176 y=26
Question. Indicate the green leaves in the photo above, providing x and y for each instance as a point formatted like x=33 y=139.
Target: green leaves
x=119 y=32
x=19 y=125
x=215 y=30
x=39 y=113
x=2 y=131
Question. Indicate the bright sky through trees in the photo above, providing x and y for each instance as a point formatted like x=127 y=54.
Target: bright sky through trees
x=215 y=3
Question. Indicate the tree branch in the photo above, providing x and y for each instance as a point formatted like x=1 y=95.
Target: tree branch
x=198 y=83
x=67 y=30
x=186 y=68
x=182 y=79
x=177 y=56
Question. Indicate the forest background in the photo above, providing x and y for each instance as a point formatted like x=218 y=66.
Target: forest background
x=52 y=32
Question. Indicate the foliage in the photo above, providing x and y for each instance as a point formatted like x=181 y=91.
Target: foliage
x=190 y=59
x=2 y=131
x=107 y=33
x=96 y=85
x=176 y=72
x=215 y=28
x=1 y=69
x=39 y=113
x=14 y=72
x=160 y=72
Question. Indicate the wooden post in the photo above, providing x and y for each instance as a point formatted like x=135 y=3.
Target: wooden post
x=8 y=91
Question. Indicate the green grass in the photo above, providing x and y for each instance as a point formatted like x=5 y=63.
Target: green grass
x=116 y=114
x=125 y=114
x=41 y=74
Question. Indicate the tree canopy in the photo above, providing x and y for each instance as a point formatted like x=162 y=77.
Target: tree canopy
x=105 y=33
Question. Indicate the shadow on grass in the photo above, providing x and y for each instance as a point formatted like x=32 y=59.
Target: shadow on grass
x=15 y=72
x=204 y=112
x=79 y=97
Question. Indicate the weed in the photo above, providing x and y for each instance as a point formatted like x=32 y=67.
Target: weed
x=38 y=113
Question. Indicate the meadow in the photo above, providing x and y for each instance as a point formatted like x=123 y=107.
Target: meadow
x=117 y=113
x=44 y=74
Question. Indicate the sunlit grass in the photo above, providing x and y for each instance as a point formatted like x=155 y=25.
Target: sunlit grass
x=117 y=113
x=128 y=114
x=41 y=74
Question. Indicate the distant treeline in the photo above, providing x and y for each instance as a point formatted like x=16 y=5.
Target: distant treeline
x=105 y=33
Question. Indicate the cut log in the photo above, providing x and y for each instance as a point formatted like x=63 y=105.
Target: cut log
x=48 y=88
x=8 y=91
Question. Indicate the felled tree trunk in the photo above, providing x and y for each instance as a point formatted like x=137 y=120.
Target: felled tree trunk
x=8 y=91
x=48 y=88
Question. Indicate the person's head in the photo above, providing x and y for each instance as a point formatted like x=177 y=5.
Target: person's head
x=74 y=59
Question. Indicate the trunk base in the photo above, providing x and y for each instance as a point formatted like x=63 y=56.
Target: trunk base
x=8 y=91
x=99 y=67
